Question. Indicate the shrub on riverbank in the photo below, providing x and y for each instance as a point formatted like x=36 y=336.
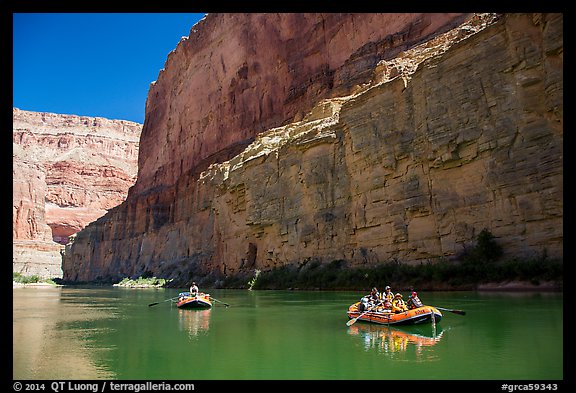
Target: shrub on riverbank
x=32 y=279
x=142 y=282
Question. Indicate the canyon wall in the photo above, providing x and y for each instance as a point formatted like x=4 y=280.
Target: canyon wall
x=238 y=75
x=403 y=148
x=67 y=171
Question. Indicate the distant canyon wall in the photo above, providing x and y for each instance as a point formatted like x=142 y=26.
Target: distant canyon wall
x=410 y=145
x=67 y=171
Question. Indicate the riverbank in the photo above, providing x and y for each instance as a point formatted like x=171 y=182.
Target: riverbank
x=521 y=286
x=21 y=281
x=540 y=274
x=34 y=285
x=468 y=274
x=505 y=286
x=142 y=282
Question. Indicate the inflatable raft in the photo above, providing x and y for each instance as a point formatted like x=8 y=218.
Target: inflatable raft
x=424 y=314
x=201 y=300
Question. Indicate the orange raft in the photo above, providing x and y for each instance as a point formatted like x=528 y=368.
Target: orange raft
x=424 y=314
x=201 y=300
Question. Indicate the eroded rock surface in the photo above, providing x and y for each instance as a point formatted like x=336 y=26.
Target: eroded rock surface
x=67 y=171
x=401 y=145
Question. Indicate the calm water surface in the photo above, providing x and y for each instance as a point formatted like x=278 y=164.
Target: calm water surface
x=111 y=333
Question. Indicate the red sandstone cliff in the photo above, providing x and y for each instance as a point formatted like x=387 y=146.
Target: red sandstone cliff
x=276 y=139
x=237 y=75
x=67 y=171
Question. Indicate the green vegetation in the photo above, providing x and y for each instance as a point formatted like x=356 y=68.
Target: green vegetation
x=252 y=282
x=142 y=282
x=33 y=279
x=480 y=264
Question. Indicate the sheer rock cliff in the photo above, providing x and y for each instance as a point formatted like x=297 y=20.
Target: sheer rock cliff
x=280 y=139
x=67 y=171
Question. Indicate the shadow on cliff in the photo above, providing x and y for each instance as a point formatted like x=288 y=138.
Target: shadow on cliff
x=475 y=267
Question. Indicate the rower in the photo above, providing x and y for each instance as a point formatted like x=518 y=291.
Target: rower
x=414 y=301
x=193 y=289
x=364 y=304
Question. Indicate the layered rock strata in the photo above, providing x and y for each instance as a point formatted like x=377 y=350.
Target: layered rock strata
x=67 y=171
x=407 y=156
x=237 y=75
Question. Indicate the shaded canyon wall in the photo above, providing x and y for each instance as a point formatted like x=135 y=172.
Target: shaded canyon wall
x=453 y=133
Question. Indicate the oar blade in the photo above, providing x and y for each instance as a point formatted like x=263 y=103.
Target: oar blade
x=219 y=301
x=352 y=321
x=167 y=300
x=459 y=312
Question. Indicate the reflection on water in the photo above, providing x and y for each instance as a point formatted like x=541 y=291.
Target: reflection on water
x=194 y=322
x=396 y=340
x=50 y=337
x=113 y=333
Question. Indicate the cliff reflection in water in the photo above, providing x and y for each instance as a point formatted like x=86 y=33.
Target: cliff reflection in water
x=396 y=340
x=195 y=322
x=56 y=333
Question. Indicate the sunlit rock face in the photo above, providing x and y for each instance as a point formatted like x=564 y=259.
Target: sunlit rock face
x=383 y=137
x=237 y=75
x=67 y=171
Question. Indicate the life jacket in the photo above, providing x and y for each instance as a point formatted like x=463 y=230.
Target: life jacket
x=398 y=305
x=388 y=296
x=416 y=301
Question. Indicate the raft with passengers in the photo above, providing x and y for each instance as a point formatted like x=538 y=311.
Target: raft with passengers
x=390 y=309
x=193 y=300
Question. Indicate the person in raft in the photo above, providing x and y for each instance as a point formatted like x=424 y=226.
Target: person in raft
x=370 y=301
x=193 y=289
x=387 y=305
x=414 y=301
x=388 y=295
x=398 y=304
x=375 y=295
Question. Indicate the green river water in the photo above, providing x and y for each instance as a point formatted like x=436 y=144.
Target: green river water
x=112 y=333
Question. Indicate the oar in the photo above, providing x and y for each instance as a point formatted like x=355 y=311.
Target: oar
x=433 y=317
x=167 y=300
x=353 y=321
x=459 y=312
x=216 y=300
